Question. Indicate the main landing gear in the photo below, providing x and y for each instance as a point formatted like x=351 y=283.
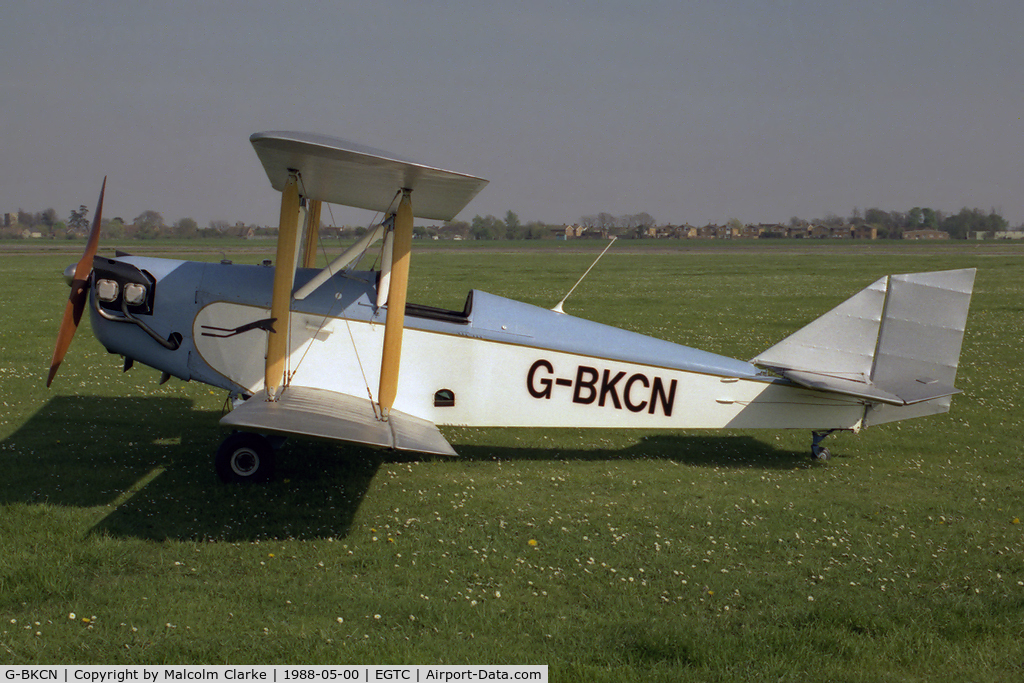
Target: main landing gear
x=245 y=456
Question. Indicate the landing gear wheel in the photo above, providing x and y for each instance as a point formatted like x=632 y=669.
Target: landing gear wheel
x=820 y=453
x=245 y=456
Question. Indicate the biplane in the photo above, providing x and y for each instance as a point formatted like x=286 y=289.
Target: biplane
x=338 y=353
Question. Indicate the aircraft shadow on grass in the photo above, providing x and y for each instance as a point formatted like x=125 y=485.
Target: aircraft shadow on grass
x=150 y=461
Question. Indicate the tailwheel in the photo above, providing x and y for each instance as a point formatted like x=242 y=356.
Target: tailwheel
x=819 y=452
x=245 y=456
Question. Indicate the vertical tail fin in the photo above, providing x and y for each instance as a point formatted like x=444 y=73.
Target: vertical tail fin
x=895 y=344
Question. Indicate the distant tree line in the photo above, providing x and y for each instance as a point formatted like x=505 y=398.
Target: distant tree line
x=146 y=226
x=892 y=224
x=619 y=224
x=151 y=225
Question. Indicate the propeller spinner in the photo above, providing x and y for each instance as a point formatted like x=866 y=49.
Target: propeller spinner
x=79 y=291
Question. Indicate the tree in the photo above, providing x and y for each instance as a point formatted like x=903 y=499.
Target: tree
x=831 y=220
x=513 y=227
x=960 y=225
x=914 y=218
x=535 y=230
x=486 y=228
x=148 y=224
x=930 y=218
x=642 y=220
x=149 y=218
x=454 y=230
x=603 y=221
x=186 y=228
x=113 y=228
x=876 y=217
x=996 y=223
x=883 y=220
x=79 y=221
x=47 y=218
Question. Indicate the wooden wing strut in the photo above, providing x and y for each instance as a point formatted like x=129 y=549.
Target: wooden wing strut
x=284 y=279
x=392 y=352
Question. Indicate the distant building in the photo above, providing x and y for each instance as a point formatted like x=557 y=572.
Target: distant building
x=797 y=232
x=650 y=232
x=819 y=231
x=771 y=230
x=573 y=231
x=708 y=232
x=997 y=235
x=751 y=232
x=865 y=232
x=840 y=232
x=713 y=231
x=576 y=232
x=686 y=231
x=925 y=235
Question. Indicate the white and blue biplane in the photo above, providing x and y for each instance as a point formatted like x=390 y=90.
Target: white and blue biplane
x=339 y=354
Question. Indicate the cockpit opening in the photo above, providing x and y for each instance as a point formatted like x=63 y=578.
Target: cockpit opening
x=445 y=315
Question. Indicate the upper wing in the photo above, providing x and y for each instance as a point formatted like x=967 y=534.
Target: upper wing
x=342 y=172
x=322 y=414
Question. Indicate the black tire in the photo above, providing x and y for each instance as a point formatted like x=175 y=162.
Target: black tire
x=245 y=456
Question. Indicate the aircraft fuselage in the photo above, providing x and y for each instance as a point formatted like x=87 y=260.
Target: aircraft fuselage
x=498 y=362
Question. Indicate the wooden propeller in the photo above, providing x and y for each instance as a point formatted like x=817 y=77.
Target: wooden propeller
x=79 y=291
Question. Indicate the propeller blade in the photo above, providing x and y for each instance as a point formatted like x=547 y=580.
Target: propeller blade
x=79 y=291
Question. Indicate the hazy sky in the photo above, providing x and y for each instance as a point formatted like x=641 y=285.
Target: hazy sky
x=690 y=111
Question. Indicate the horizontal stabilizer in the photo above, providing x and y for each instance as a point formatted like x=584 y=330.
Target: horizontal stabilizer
x=917 y=391
x=322 y=414
x=896 y=344
x=342 y=172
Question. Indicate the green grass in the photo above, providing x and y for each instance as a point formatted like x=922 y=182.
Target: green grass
x=658 y=556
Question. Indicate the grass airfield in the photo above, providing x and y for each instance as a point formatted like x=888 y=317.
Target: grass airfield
x=608 y=555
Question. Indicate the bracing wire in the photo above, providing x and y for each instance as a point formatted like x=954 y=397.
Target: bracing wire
x=339 y=296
